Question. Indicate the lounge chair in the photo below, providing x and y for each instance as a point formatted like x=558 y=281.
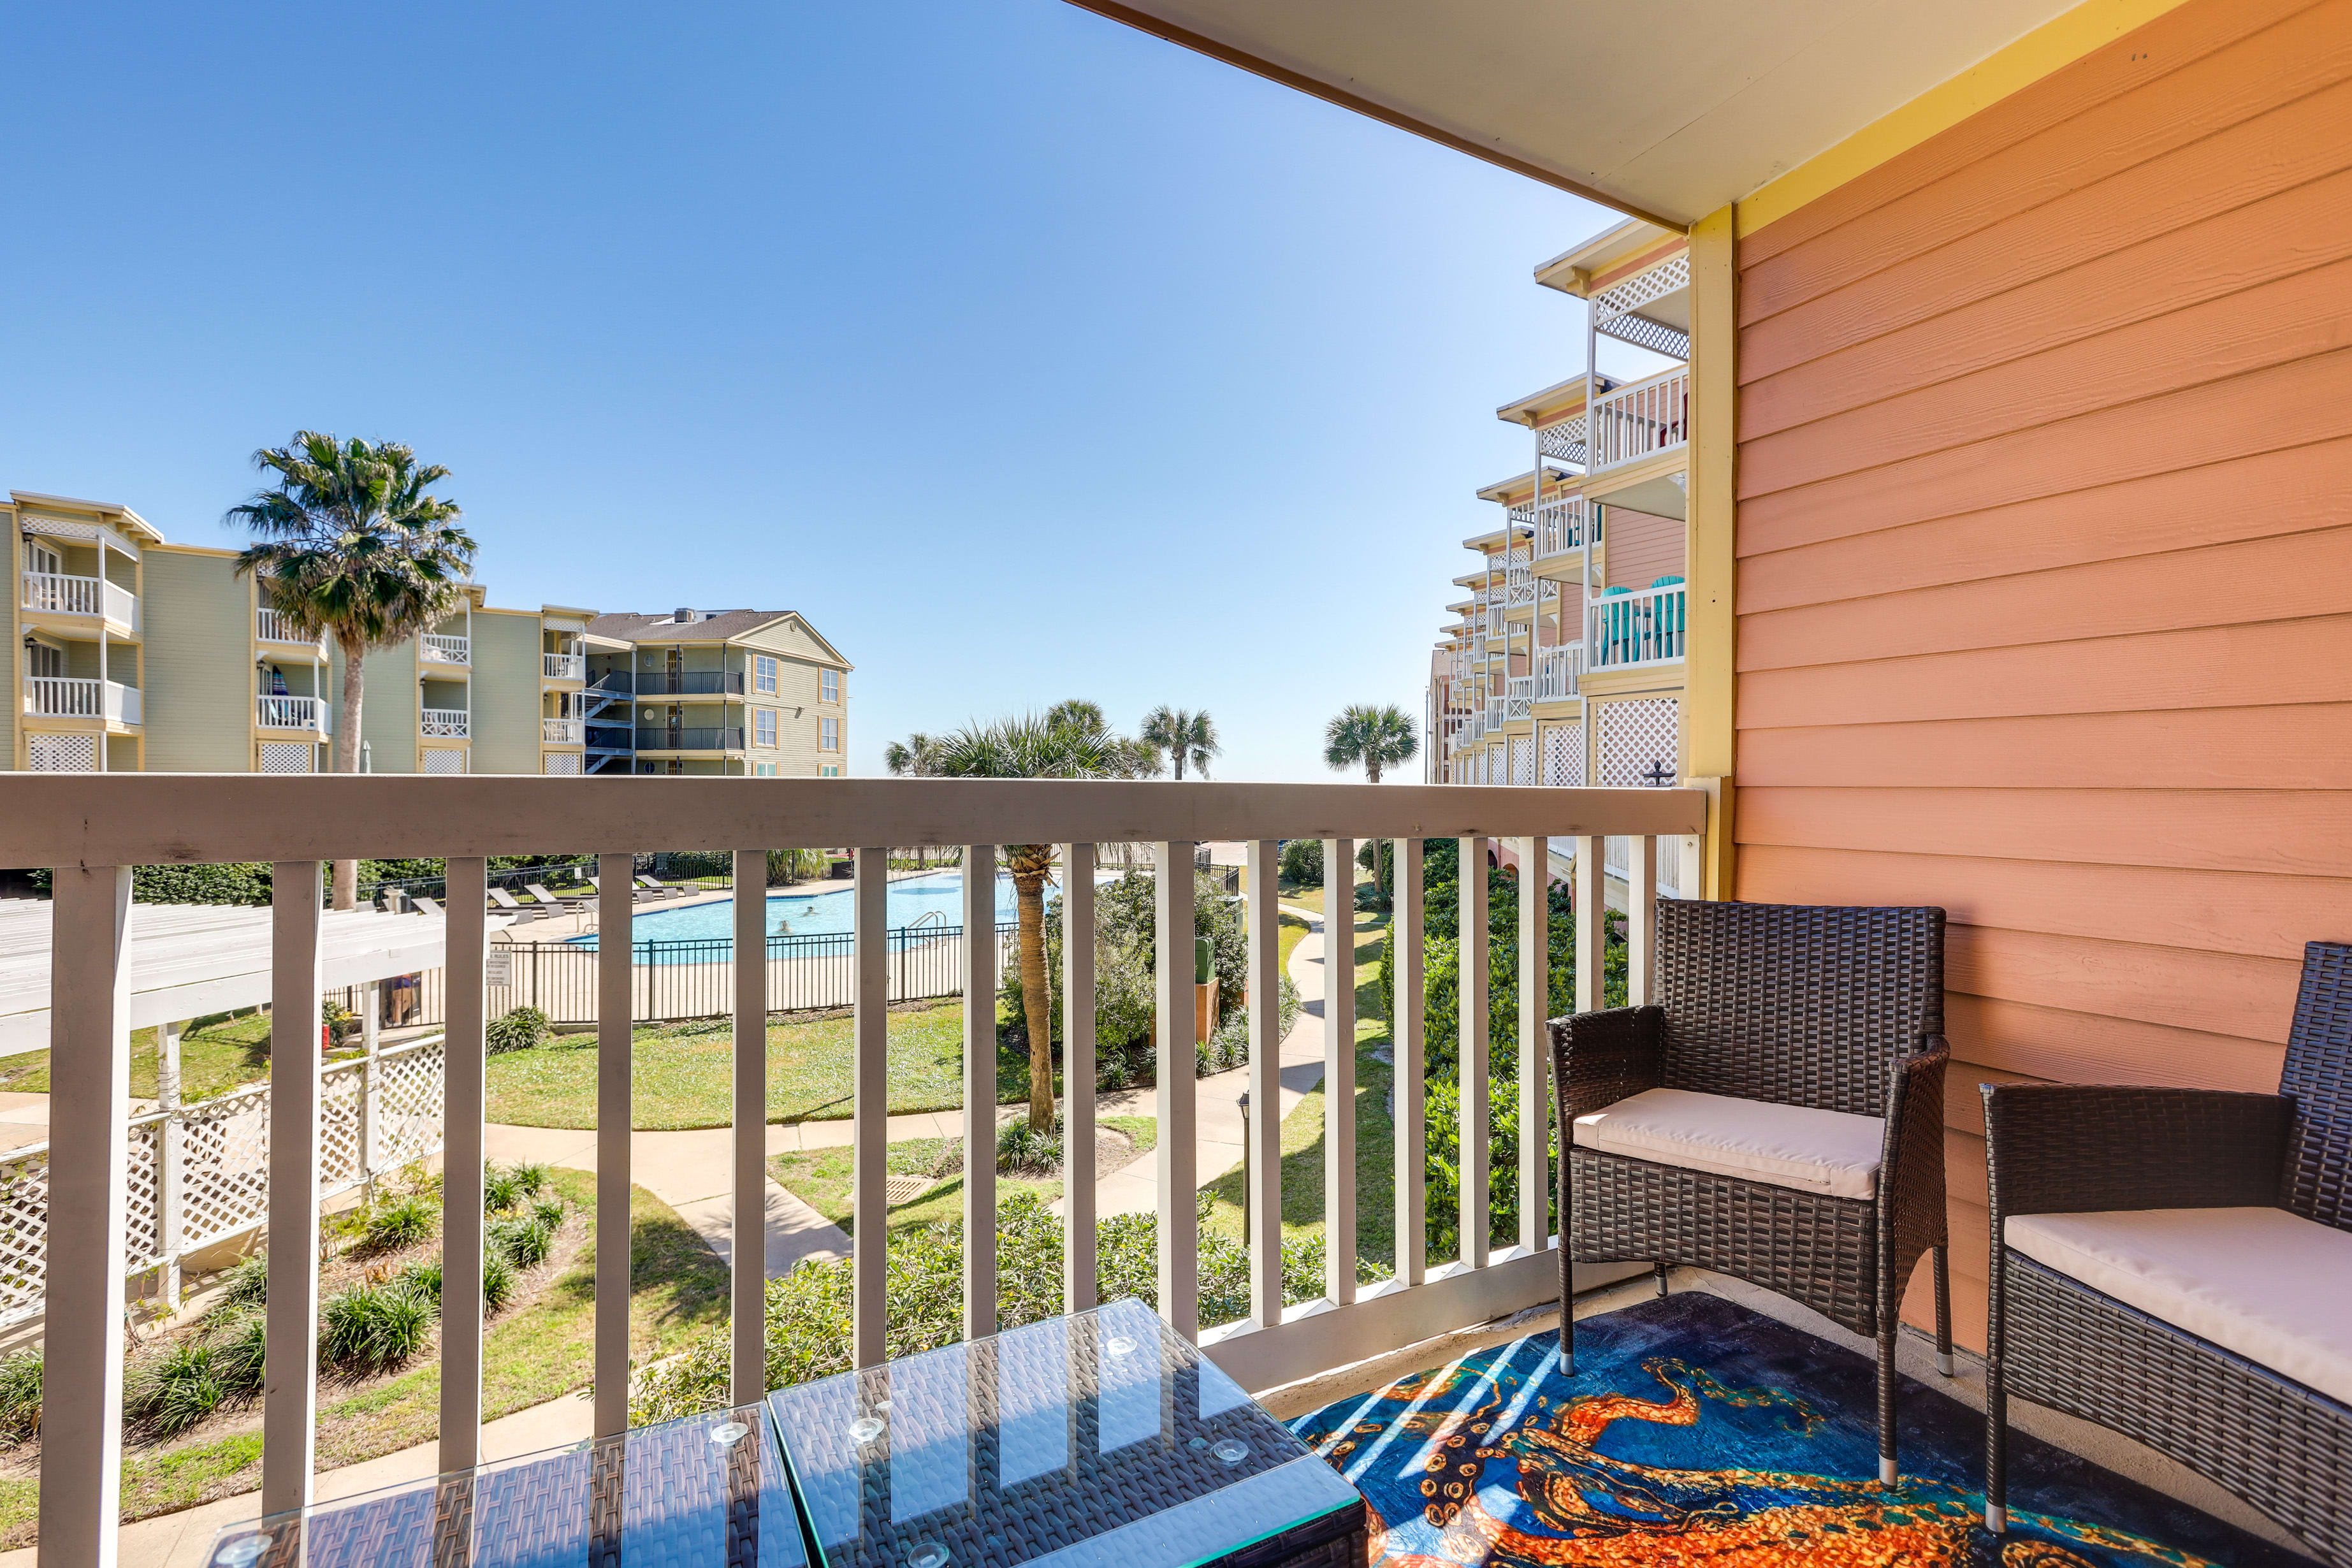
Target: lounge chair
x=430 y=906
x=552 y=901
x=662 y=890
x=509 y=902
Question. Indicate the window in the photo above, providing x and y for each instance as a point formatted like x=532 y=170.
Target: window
x=46 y=662
x=828 y=772
x=764 y=678
x=828 y=686
x=828 y=734
x=763 y=726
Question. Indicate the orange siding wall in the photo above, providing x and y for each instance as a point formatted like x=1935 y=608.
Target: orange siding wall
x=2045 y=558
x=1638 y=549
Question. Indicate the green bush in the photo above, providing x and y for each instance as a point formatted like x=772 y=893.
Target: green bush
x=1126 y=939
x=372 y=1328
x=500 y=1279
x=421 y=1280
x=245 y=1285
x=1443 y=1119
x=20 y=1395
x=531 y=1177
x=1302 y=862
x=502 y=1190
x=395 y=1223
x=517 y=1030
x=166 y=1394
x=1020 y=1147
x=548 y=1212
x=808 y=1308
x=524 y=1240
x=239 y=1349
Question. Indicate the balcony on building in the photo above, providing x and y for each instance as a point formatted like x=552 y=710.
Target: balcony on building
x=87 y=698
x=445 y=723
x=80 y=577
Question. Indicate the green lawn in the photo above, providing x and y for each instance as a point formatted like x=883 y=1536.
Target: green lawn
x=821 y=1177
x=219 y=1054
x=684 y=1072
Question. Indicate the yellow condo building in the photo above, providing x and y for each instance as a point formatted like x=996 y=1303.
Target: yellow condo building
x=134 y=655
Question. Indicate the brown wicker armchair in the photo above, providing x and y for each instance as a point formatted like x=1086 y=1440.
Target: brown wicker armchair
x=1781 y=1034
x=2173 y=1263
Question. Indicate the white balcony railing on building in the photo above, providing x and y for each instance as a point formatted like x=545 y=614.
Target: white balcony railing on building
x=294 y=713
x=1518 y=587
x=436 y=648
x=1558 y=671
x=65 y=596
x=563 y=666
x=444 y=724
x=1645 y=625
x=1642 y=420
x=62 y=697
x=268 y=625
x=1559 y=527
x=563 y=732
x=91 y=830
x=1495 y=714
x=1518 y=693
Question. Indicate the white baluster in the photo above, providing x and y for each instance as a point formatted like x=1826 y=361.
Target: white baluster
x=615 y=1005
x=870 y=1112
x=1262 y=1126
x=1534 y=1053
x=290 y=1390
x=1077 y=1075
x=1177 y=1158
x=1472 y=1051
x=980 y=1091
x=463 y=1046
x=748 y=1240
x=1640 y=919
x=1405 y=938
x=1591 y=924
x=1339 y=1070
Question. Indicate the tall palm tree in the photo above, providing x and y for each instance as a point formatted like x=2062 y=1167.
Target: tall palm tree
x=1376 y=737
x=912 y=758
x=356 y=548
x=1029 y=748
x=1080 y=715
x=1189 y=739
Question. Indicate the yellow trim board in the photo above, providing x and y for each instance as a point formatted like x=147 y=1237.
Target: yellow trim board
x=2057 y=43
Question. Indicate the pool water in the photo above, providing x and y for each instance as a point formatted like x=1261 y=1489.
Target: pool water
x=817 y=914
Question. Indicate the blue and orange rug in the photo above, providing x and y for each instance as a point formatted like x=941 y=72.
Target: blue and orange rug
x=1702 y=1433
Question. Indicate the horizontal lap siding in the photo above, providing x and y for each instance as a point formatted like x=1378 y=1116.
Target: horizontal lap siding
x=2045 y=559
x=1640 y=549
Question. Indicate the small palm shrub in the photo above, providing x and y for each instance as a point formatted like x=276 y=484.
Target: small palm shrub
x=524 y=1240
x=502 y=1190
x=531 y=1177
x=395 y=1223
x=550 y=1212
x=20 y=1395
x=167 y=1394
x=519 y=1030
x=499 y=1281
x=238 y=1349
x=421 y=1280
x=1021 y=1147
x=372 y=1328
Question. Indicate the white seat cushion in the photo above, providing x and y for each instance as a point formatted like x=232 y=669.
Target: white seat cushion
x=1795 y=1146
x=2270 y=1285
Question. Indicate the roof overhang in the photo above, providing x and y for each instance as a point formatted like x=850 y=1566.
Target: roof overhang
x=1666 y=114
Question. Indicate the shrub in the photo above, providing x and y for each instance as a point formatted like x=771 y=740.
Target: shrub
x=532 y=1176
x=1443 y=1119
x=238 y=1350
x=1124 y=941
x=517 y=1030
x=395 y=1223
x=20 y=1395
x=500 y=1279
x=1020 y=1147
x=523 y=1240
x=421 y=1280
x=548 y=1212
x=245 y=1285
x=502 y=1189
x=165 y=1395
x=372 y=1328
x=1302 y=862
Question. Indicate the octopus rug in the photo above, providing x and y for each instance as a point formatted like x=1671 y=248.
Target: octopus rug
x=1699 y=1433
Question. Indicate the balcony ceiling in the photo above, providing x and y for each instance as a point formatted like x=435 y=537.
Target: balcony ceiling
x=1667 y=111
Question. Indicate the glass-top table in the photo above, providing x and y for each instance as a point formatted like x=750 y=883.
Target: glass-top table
x=700 y=1492
x=1101 y=1439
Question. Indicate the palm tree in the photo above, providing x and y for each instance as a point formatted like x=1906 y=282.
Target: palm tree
x=1189 y=739
x=1029 y=748
x=1078 y=714
x=1377 y=738
x=909 y=758
x=354 y=548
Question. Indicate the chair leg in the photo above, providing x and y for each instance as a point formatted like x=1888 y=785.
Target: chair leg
x=1886 y=1400
x=1661 y=1266
x=1567 y=1309
x=1943 y=1310
x=1996 y=1448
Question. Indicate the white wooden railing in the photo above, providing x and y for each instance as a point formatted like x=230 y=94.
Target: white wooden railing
x=1642 y=420
x=269 y=625
x=64 y=696
x=1558 y=671
x=1647 y=625
x=66 y=595
x=293 y=713
x=563 y=666
x=1559 y=527
x=1496 y=712
x=445 y=723
x=1518 y=692
x=93 y=829
x=435 y=647
x=1518 y=587
x=563 y=732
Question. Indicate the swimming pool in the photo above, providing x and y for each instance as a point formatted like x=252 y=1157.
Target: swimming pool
x=817 y=914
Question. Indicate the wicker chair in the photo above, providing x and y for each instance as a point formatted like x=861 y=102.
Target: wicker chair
x=2282 y=1164
x=1829 y=1009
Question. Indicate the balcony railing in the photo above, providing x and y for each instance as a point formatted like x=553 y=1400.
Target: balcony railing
x=268 y=625
x=1559 y=527
x=1558 y=671
x=563 y=732
x=563 y=666
x=62 y=697
x=1642 y=420
x=689 y=683
x=93 y=829
x=1496 y=713
x=294 y=713
x=1518 y=692
x=1646 y=626
x=446 y=724
x=434 y=648
x=691 y=737
x=66 y=595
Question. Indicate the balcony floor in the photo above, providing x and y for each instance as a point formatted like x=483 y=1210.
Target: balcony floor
x=1711 y=1458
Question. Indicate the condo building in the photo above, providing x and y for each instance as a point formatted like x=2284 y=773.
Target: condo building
x=133 y=654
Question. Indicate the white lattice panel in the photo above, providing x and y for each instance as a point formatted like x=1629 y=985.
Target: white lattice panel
x=226 y=1143
x=1642 y=288
x=564 y=763
x=288 y=757
x=24 y=1234
x=1523 y=758
x=1563 y=755
x=408 y=1103
x=144 y=1246
x=1639 y=738
x=445 y=761
x=339 y=1128
x=61 y=753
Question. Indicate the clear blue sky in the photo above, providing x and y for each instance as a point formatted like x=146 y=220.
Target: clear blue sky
x=1028 y=356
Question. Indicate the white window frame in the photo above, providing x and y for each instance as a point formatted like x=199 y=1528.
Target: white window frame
x=763 y=726
x=828 y=733
x=828 y=686
x=764 y=674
